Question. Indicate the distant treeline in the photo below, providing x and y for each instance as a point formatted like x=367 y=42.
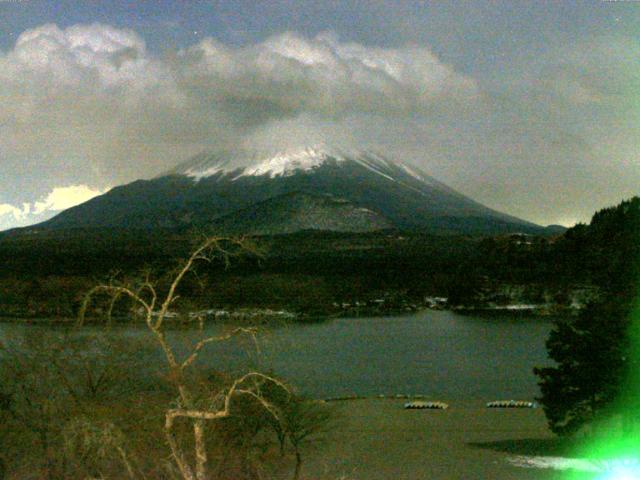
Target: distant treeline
x=44 y=273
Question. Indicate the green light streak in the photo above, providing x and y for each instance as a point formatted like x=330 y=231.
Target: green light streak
x=614 y=446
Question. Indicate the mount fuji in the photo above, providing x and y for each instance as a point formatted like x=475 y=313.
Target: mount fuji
x=315 y=188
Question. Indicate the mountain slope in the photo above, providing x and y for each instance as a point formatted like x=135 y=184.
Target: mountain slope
x=207 y=188
x=293 y=212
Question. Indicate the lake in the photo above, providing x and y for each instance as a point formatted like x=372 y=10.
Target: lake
x=436 y=353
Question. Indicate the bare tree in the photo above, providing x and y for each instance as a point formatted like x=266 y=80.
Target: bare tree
x=301 y=422
x=190 y=405
x=28 y=401
x=50 y=379
x=91 y=444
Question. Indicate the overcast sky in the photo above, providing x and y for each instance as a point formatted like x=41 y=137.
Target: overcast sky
x=532 y=108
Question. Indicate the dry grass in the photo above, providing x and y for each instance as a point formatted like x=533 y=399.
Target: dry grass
x=379 y=440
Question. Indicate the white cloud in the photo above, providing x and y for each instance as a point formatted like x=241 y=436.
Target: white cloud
x=18 y=214
x=293 y=74
x=290 y=72
x=60 y=198
x=82 y=55
x=12 y=216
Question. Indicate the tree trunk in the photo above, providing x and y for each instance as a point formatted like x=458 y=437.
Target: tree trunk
x=296 y=473
x=201 y=450
x=185 y=469
x=48 y=455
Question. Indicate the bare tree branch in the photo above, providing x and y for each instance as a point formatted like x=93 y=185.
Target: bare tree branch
x=146 y=296
x=202 y=343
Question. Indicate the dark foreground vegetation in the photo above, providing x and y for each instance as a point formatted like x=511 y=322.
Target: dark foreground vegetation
x=77 y=405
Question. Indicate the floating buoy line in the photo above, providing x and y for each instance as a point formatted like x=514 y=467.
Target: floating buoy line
x=418 y=402
x=419 y=405
x=511 y=404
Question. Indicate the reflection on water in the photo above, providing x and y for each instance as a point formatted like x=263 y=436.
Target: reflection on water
x=436 y=353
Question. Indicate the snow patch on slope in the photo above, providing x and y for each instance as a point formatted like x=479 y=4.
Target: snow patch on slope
x=374 y=166
x=202 y=166
x=207 y=172
x=414 y=174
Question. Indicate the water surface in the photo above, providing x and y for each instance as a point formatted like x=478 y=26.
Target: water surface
x=436 y=353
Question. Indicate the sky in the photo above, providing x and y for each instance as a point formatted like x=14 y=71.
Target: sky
x=532 y=108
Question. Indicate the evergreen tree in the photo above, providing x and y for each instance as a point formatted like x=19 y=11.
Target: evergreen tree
x=590 y=353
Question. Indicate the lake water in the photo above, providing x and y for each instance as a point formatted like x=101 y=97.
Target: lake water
x=436 y=353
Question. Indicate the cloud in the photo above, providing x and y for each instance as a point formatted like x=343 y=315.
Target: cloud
x=290 y=74
x=91 y=105
x=58 y=199
x=18 y=214
x=61 y=198
x=96 y=56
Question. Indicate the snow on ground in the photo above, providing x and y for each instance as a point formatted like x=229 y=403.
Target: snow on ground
x=617 y=469
x=555 y=463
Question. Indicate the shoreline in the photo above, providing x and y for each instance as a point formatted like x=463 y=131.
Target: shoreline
x=268 y=316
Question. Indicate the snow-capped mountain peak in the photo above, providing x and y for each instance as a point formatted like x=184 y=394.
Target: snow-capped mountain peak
x=290 y=162
x=257 y=163
x=287 y=163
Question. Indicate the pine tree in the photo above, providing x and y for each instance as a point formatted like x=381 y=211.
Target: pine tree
x=591 y=356
x=592 y=351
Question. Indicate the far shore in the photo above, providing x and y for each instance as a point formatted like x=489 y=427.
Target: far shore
x=267 y=316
